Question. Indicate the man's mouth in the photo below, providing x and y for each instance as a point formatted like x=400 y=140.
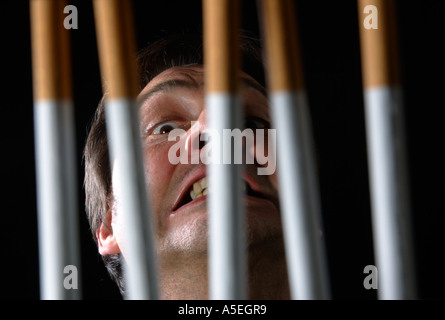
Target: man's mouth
x=200 y=188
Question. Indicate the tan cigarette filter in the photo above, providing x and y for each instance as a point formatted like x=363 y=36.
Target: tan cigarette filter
x=379 y=49
x=50 y=51
x=285 y=70
x=221 y=44
x=117 y=47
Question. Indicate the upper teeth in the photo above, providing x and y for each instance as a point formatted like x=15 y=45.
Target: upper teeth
x=200 y=188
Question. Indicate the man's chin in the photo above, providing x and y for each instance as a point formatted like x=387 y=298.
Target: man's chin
x=188 y=230
x=186 y=234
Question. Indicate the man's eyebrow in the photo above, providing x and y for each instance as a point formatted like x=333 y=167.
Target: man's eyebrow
x=167 y=85
x=191 y=84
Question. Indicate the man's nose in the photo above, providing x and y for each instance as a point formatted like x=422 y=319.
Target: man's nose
x=195 y=137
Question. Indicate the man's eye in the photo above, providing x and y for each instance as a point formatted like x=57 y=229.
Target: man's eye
x=165 y=128
x=256 y=123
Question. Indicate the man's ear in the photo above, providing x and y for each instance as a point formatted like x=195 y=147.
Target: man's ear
x=106 y=239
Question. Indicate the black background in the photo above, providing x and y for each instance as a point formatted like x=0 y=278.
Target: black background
x=331 y=56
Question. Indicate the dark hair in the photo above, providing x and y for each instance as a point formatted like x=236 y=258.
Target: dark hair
x=163 y=54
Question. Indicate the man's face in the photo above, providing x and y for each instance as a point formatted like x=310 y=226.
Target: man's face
x=173 y=100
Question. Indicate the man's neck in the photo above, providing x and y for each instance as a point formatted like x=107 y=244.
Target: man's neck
x=186 y=278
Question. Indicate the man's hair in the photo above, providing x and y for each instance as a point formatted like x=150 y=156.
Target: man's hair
x=165 y=53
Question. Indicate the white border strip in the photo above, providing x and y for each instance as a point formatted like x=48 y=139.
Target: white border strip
x=56 y=181
x=299 y=196
x=227 y=261
x=389 y=192
x=128 y=169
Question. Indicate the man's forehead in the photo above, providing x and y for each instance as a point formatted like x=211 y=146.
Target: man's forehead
x=193 y=73
x=191 y=77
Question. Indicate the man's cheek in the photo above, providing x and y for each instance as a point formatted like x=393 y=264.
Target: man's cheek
x=158 y=173
x=264 y=152
x=156 y=159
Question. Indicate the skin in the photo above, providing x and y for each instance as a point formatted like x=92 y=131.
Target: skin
x=181 y=233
